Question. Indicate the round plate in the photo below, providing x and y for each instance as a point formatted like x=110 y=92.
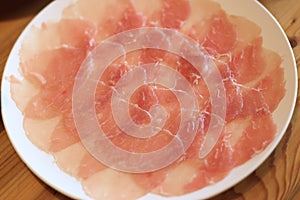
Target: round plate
x=43 y=164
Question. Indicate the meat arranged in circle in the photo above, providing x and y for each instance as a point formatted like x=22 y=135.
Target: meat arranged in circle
x=51 y=55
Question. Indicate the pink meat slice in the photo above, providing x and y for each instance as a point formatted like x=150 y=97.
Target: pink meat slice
x=65 y=142
x=248 y=64
x=225 y=35
x=66 y=160
x=126 y=142
x=93 y=11
x=151 y=11
x=89 y=166
x=129 y=20
x=200 y=18
x=241 y=140
x=202 y=178
x=22 y=91
x=141 y=102
x=273 y=85
x=177 y=177
x=70 y=33
x=64 y=134
x=248 y=71
x=195 y=174
x=221 y=37
x=183 y=67
x=54 y=71
x=96 y=11
x=99 y=13
x=124 y=18
x=112 y=184
x=82 y=166
x=51 y=96
x=151 y=180
x=246 y=32
x=174 y=13
x=39 y=131
x=255 y=139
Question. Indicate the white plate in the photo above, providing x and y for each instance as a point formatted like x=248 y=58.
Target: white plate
x=43 y=164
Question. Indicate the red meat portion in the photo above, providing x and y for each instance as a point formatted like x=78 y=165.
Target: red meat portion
x=174 y=13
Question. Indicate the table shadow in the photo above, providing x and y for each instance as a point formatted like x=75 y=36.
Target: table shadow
x=15 y=9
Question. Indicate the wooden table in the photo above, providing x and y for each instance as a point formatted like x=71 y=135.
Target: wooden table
x=277 y=178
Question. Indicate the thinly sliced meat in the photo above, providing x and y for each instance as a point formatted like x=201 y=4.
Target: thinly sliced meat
x=250 y=130
x=53 y=66
x=272 y=88
x=271 y=83
x=183 y=67
x=76 y=161
x=94 y=10
x=244 y=101
x=141 y=102
x=99 y=12
x=197 y=81
x=49 y=103
x=22 y=91
x=177 y=178
x=212 y=168
x=237 y=62
x=236 y=128
x=126 y=142
x=195 y=174
x=54 y=71
x=130 y=20
x=266 y=95
x=248 y=64
x=113 y=73
x=89 y=166
x=246 y=32
x=152 y=56
x=249 y=73
x=221 y=37
x=108 y=80
x=234 y=100
x=64 y=134
x=149 y=181
x=111 y=184
x=220 y=159
x=149 y=9
x=254 y=103
x=69 y=159
x=198 y=23
x=252 y=77
x=242 y=139
x=124 y=18
x=74 y=33
x=70 y=33
x=39 y=131
x=174 y=13
x=255 y=139
x=271 y=62
x=202 y=178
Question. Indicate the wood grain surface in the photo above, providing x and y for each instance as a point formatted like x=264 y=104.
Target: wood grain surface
x=277 y=178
